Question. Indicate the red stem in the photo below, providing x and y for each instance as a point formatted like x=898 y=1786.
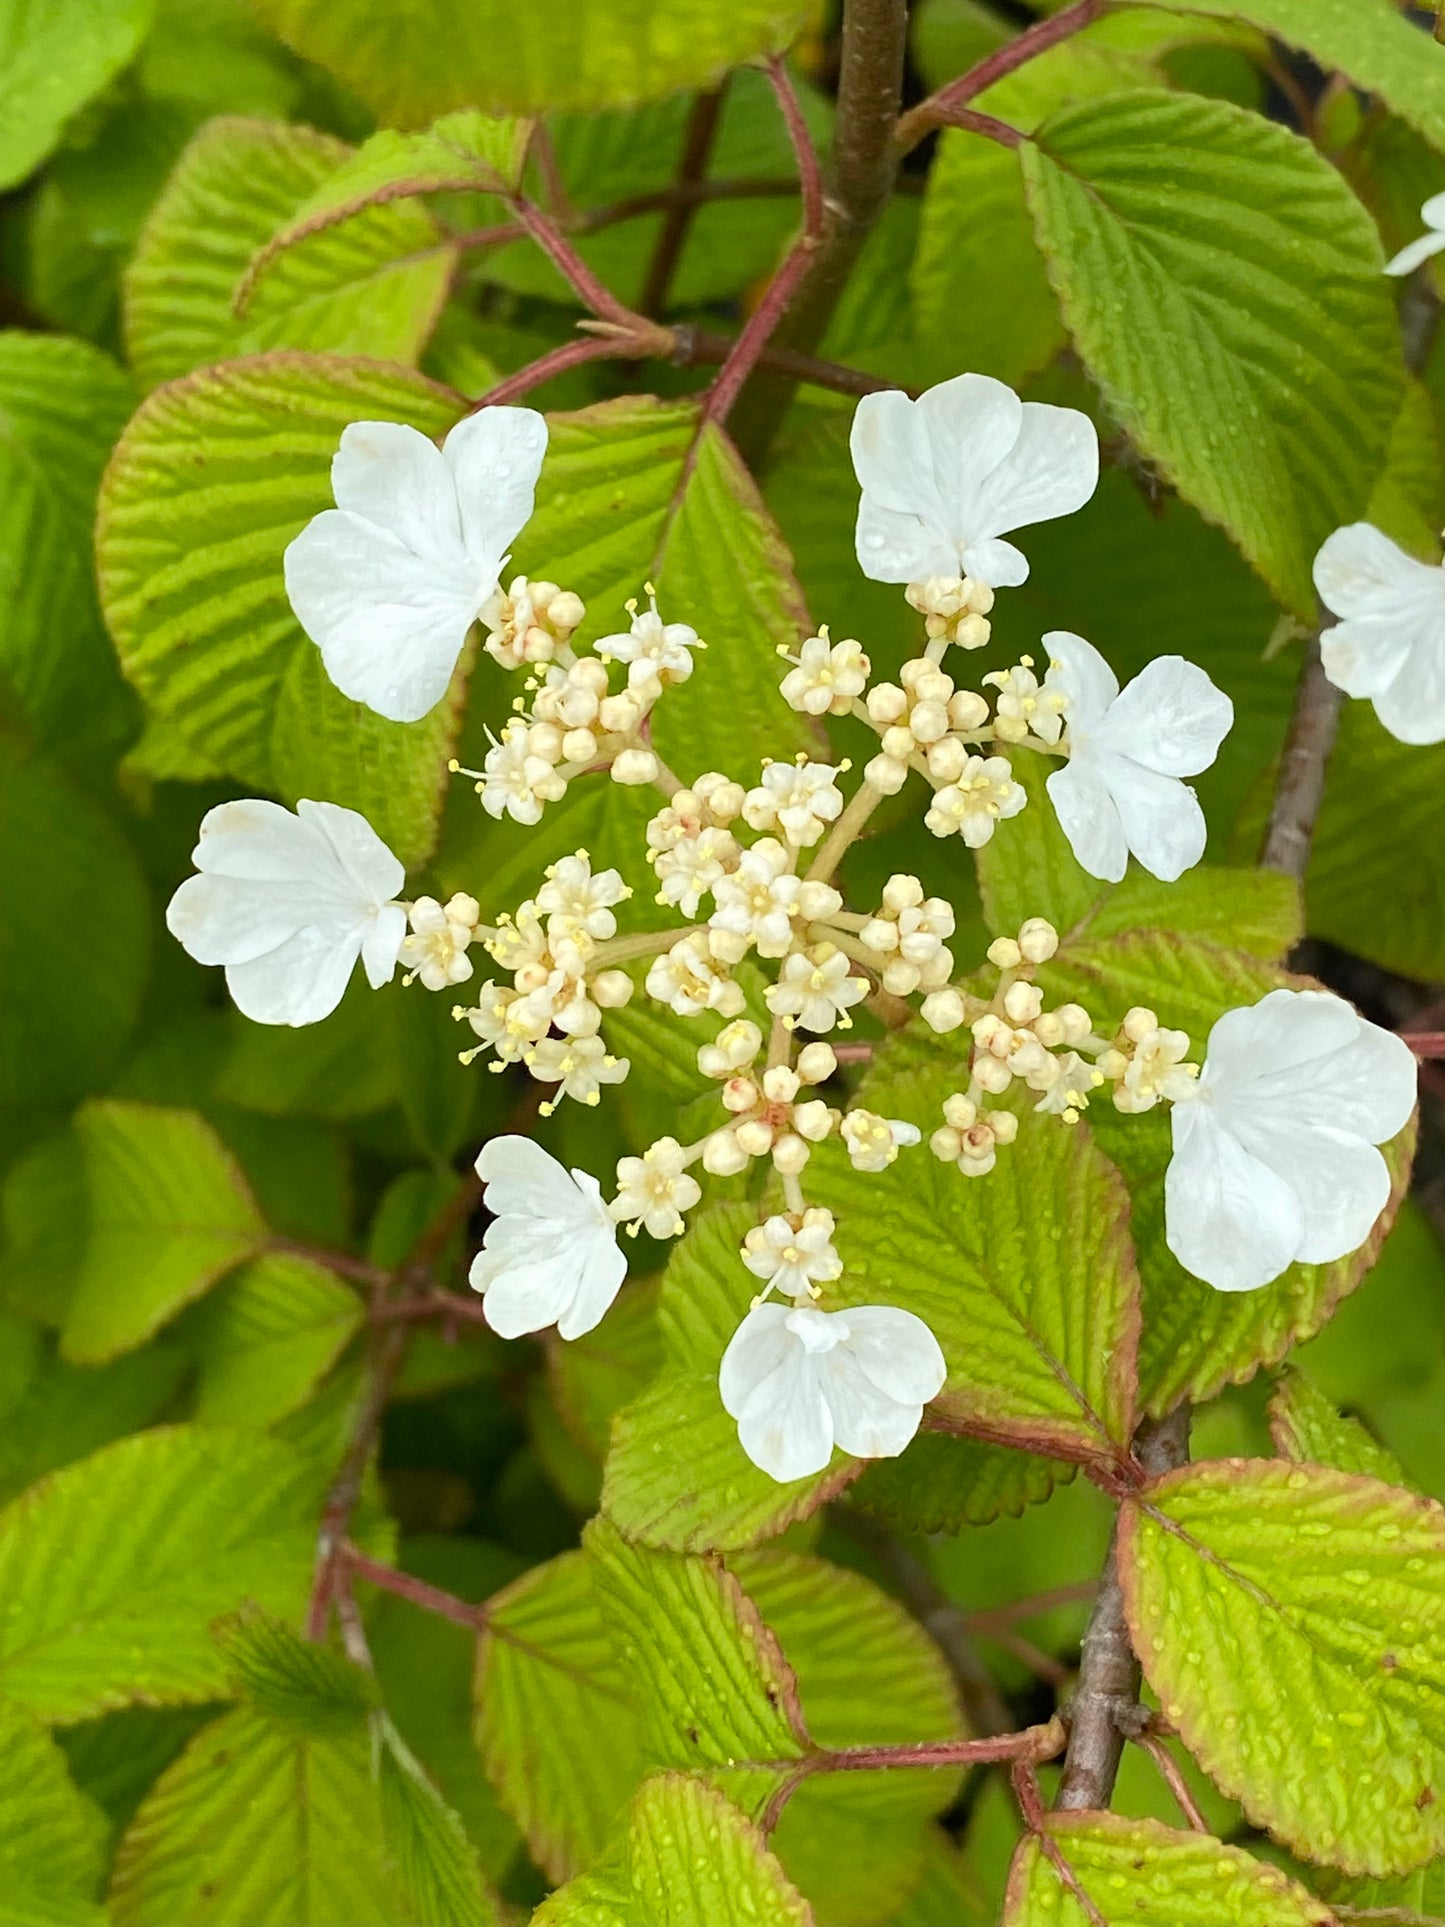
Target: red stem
x=430 y=1599
x=810 y=172
x=592 y=293
x=1175 y=1781
x=572 y=354
x=939 y=109
x=1425 y=1043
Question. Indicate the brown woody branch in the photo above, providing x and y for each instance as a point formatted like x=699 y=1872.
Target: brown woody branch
x=1300 y=788
x=697 y=147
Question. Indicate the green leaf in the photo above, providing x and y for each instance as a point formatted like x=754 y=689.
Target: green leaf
x=1292 y=1621
x=42 y=1219
x=941 y=1484
x=1306 y=1427
x=412 y=62
x=62 y=1032
x=256 y=1822
x=54 y=54
x=592 y=1377
x=545 y=1667
x=1409 y=498
x=170 y=1214
x=1039 y=1331
x=1140 y=1871
x=293 y=1681
x=70 y=1411
x=1370 y=41
x=436 y=1865
x=375 y=287
x=1236 y=315
x=52 y=1838
x=267 y=1339
x=62 y=405
x=211 y=480
x=113 y=1569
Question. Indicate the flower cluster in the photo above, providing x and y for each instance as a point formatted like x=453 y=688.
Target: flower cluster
x=754 y=943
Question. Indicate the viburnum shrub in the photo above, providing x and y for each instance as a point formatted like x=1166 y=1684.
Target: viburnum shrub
x=830 y=1329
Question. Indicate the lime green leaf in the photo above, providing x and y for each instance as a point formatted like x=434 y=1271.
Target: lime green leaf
x=114 y=1568
x=253 y=1823
x=1260 y=365
x=1039 y=1331
x=374 y=289
x=70 y=1411
x=54 y=54
x=62 y=1032
x=436 y=1865
x=293 y=1681
x=941 y=1484
x=1306 y=1427
x=52 y=1838
x=62 y=405
x=1140 y=1871
x=412 y=62
x=1292 y=1621
x=1420 y=1896
x=545 y=1667
x=266 y=1340
x=170 y=1213
x=211 y=480
x=1409 y=498
x=42 y=1228
x=697 y=1862
x=591 y=1377
x=1369 y=41
x=339 y=1068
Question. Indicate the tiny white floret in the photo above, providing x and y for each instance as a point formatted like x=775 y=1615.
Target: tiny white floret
x=550 y=1255
x=1423 y=246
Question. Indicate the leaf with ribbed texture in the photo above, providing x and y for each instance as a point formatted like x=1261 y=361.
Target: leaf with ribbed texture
x=1369 y=41
x=255 y=1822
x=170 y=1214
x=267 y=1339
x=112 y=1571
x=546 y=1669
x=1197 y=1340
x=436 y=1865
x=712 y=1496
x=1232 y=308
x=412 y=61
x=293 y=1681
x=54 y=54
x=1039 y=1331
x=62 y=404
x=70 y=1411
x=62 y=1032
x=1292 y=1621
x=941 y=1484
x=52 y=1838
x=1140 y=1871
x=211 y=480
x=462 y=152
x=375 y=288
x=1306 y=1427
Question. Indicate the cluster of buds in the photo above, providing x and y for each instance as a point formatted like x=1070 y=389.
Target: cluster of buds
x=690 y=844
x=1145 y=1062
x=955 y=609
x=909 y=937
x=529 y=622
x=922 y=716
x=1025 y=709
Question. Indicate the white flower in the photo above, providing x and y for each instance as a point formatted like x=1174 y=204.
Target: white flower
x=654 y=1190
x=288 y=903
x=799 y=1381
x=944 y=477
x=800 y=799
x=516 y=780
x=794 y=1258
x=436 y=949
x=874 y=1142
x=388 y=583
x=1119 y=793
x=814 y=988
x=756 y=904
x=1431 y=242
x=550 y=1255
x=1390 y=645
x=1274 y=1157
x=656 y=652
x=983 y=796
x=579 y=902
x=581 y=1065
x=827 y=676
x=689 y=979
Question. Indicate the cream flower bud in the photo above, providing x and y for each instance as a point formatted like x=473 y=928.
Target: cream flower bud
x=754 y=1136
x=873 y=1142
x=886 y=774
x=992 y=1076
x=880 y=935
x=817 y=1063
x=634 y=766
x=545 y=740
x=813 y=1120
x=967 y=710
x=790 y=1154
x=946 y=760
x=733 y=1049
x=611 y=989
x=1038 y=940
x=1076 y=1021
x=720 y=797
x=1048 y=1028
x=960 y=1111
x=885 y=703
x=579 y=746
x=1022 y=1003
x=741 y=1094
x=902 y=892
x=897 y=742
x=780 y=1084
x=818 y=901
x=620 y=715
x=723 y=1156
x=1138 y=1023
x=943 y=1010
x=1004 y=954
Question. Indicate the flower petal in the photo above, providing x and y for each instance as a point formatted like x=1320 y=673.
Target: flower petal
x=757 y=1348
x=1088 y=818
x=381 y=946
x=1394 y=626
x=1283 y=1031
x=973 y=425
x=893 y=546
x=1051 y=469
x=359 y=851
x=495 y=456
x=995 y=562
x=897 y=1352
x=521 y=1298
x=1342 y=1184
x=1163 y=823
x=224 y=920
x=299 y=982
x=1170 y=718
x=892 y=450
x=523 y=1180
x=397 y=478
x=865 y=1421
x=1366 y=1085
x=389 y=623
x=260 y=841
x=784 y=1425
x=1077 y=668
x=602 y=1270
x=1412 y=705
x=1228 y=1218
x=1420 y=249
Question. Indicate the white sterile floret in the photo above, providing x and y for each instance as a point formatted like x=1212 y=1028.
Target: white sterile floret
x=654 y=1190
x=579 y=902
x=800 y=1381
x=550 y=1255
x=1073 y=1082
x=436 y=949
x=528 y=621
x=657 y=653
x=581 y=1065
x=827 y=676
x=874 y=1142
x=388 y=583
x=288 y=902
x=517 y=780
x=984 y=795
x=814 y=988
x=1275 y=1155
x=689 y=978
x=944 y=477
x=1119 y=794
x=1430 y=242
x=793 y=1257
x=1389 y=644
x=800 y=799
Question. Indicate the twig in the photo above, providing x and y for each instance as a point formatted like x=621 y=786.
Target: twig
x=994 y=1619
x=972 y=121
x=387 y=1352
x=447 y=1307
x=542 y=151
x=358 y=1270
x=417 y=1592
x=1169 y=1773
x=590 y=291
x=1109 y=1672
x=1031 y=1806
x=940 y=108
x=810 y=173
x=689 y=194
x=1301 y=785
x=702 y=125
x=557 y=361
x=1425 y=1043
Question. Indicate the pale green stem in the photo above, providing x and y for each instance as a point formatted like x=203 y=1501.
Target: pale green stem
x=843 y=833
